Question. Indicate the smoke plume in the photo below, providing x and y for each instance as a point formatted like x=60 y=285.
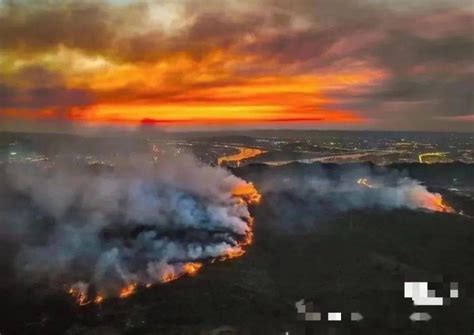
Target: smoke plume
x=301 y=195
x=113 y=228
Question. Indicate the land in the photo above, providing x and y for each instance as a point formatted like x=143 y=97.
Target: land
x=275 y=147
x=346 y=261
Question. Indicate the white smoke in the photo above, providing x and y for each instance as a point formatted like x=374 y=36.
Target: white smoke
x=135 y=222
x=300 y=196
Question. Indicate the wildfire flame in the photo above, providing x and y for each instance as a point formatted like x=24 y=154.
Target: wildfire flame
x=168 y=276
x=431 y=201
x=192 y=268
x=128 y=290
x=247 y=192
x=99 y=299
x=244 y=193
x=233 y=253
x=437 y=204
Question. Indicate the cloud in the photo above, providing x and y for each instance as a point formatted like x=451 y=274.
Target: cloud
x=30 y=26
x=127 y=33
x=37 y=88
x=163 y=52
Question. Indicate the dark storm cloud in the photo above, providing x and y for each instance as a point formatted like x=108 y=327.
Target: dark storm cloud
x=423 y=88
x=350 y=30
x=208 y=32
x=95 y=26
x=427 y=75
x=43 y=97
x=37 y=88
x=444 y=96
x=98 y=27
x=401 y=51
x=40 y=26
x=293 y=47
x=427 y=59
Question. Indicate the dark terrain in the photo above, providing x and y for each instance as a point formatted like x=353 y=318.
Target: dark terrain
x=352 y=261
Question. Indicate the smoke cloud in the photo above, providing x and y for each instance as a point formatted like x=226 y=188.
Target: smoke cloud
x=140 y=222
x=300 y=196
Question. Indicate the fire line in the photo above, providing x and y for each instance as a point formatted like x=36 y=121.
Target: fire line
x=244 y=193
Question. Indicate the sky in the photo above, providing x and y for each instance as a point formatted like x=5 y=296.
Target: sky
x=219 y=64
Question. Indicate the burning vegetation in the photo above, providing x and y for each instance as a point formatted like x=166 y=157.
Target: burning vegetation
x=247 y=192
x=436 y=203
x=128 y=290
x=113 y=231
x=244 y=192
x=420 y=196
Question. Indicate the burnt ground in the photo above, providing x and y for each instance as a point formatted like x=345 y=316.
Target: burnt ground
x=354 y=261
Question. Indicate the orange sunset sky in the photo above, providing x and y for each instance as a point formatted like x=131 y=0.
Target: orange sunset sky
x=271 y=63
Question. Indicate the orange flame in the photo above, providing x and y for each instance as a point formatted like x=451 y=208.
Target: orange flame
x=438 y=204
x=99 y=299
x=235 y=252
x=247 y=192
x=244 y=193
x=431 y=201
x=128 y=290
x=168 y=276
x=192 y=268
